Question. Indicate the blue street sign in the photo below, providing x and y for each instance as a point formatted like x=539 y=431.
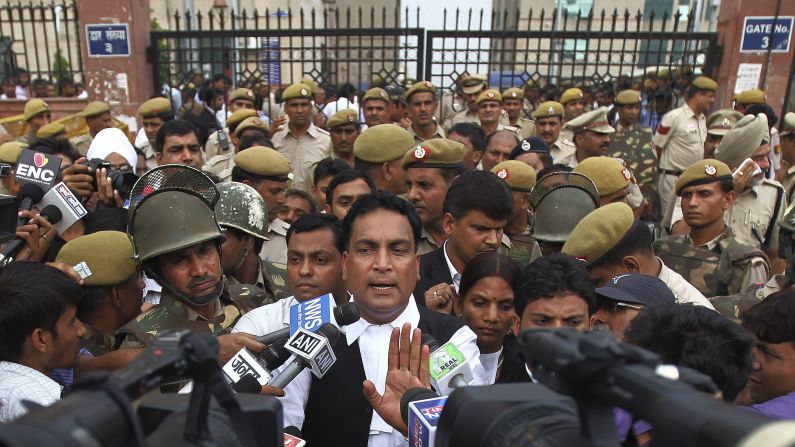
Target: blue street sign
x=766 y=34
x=108 y=40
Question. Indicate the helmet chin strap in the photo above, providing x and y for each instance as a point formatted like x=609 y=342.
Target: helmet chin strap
x=193 y=300
x=240 y=259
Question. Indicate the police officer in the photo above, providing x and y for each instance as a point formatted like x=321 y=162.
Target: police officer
x=709 y=257
x=379 y=154
x=52 y=130
x=747 y=98
x=490 y=112
x=788 y=154
x=611 y=243
x=512 y=103
x=36 y=114
x=242 y=214
x=591 y=136
x=520 y=178
x=112 y=283
x=300 y=141
x=679 y=139
x=217 y=144
x=632 y=143
x=9 y=154
x=573 y=102
x=177 y=242
x=718 y=123
x=97 y=116
x=548 y=117
x=375 y=107
x=422 y=103
x=559 y=201
x=472 y=86
x=344 y=128
x=221 y=165
x=154 y=113
x=611 y=178
x=267 y=171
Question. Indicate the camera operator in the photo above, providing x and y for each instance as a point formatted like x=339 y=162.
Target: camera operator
x=39 y=331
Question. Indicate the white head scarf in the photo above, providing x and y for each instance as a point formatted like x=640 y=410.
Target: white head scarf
x=109 y=141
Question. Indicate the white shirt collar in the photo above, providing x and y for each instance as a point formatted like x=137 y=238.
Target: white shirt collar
x=409 y=315
x=453 y=272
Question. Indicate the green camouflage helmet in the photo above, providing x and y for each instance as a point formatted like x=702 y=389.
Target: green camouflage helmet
x=241 y=207
x=171 y=208
x=560 y=200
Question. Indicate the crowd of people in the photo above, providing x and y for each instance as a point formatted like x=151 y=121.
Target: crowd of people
x=633 y=208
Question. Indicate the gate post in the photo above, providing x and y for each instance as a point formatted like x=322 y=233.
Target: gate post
x=114 y=36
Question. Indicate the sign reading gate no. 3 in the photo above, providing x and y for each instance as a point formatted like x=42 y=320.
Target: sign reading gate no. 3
x=108 y=40
x=766 y=34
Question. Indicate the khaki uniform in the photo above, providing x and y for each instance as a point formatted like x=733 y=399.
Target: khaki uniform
x=680 y=137
x=311 y=147
x=633 y=145
x=464 y=116
x=97 y=342
x=440 y=133
x=274 y=250
x=449 y=106
x=789 y=183
x=560 y=149
x=221 y=165
x=213 y=145
x=527 y=127
x=149 y=152
x=730 y=273
x=513 y=129
x=172 y=313
x=569 y=160
x=82 y=142
x=427 y=244
x=524 y=248
x=567 y=134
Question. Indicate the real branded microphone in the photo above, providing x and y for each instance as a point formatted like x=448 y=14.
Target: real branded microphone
x=246 y=364
x=449 y=368
x=53 y=215
x=293 y=437
x=311 y=314
x=311 y=350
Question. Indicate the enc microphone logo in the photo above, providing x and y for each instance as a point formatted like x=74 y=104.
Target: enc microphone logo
x=39 y=160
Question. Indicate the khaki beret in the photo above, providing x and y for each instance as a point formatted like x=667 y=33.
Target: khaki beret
x=513 y=93
x=519 y=176
x=752 y=96
x=549 y=108
x=264 y=161
x=788 y=124
x=50 y=130
x=705 y=83
x=309 y=82
x=95 y=108
x=436 y=153
x=627 y=97
x=701 y=172
x=299 y=90
x=720 y=121
x=572 y=94
x=420 y=87
x=342 y=117
x=156 y=107
x=242 y=93
x=607 y=173
x=106 y=257
x=35 y=107
x=239 y=115
x=376 y=93
x=383 y=143
x=489 y=95
x=742 y=140
x=595 y=120
x=598 y=232
x=9 y=152
x=252 y=122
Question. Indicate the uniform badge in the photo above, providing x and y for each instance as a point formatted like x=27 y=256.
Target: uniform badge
x=726 y=122
x=710 y=170
x=551 y=110
x=45 y=104
x=428 y=84
x=625 y=172
x=503 y=174
x=420 y=152
x=489 y=94
x=350 y=117
x=250 y=94
x=382 y=93
x=304 y=92
x=526 y=145
x=514 y=95
x=256 y=122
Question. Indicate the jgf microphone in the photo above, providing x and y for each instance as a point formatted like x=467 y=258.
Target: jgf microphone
x=245 y=363
x=449 y=368
x=311 y=314
x=313 y=350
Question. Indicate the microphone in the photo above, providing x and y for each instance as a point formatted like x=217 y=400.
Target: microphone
x=248 y=384
x=449 y=368
x=292 y=437
x=311 y=314
x=412 y=395
x=52 y=213
x=311 y=350
x=247 y=364
x=423 y=417
x=29 y=194
x=64 y=199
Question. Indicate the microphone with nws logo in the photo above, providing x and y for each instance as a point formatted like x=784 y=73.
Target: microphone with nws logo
x=311 y=314
x=53 y=215
x=449 y=368
x=311 y=350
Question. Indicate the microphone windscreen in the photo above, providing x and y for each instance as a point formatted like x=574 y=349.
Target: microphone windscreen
x=293 y=431
x=427 y=339
x=32 y=190
x=247 y=384
x=331 y=332
x=346 y=314
x=52 y=213
x=275 y=355
x=412 y=395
